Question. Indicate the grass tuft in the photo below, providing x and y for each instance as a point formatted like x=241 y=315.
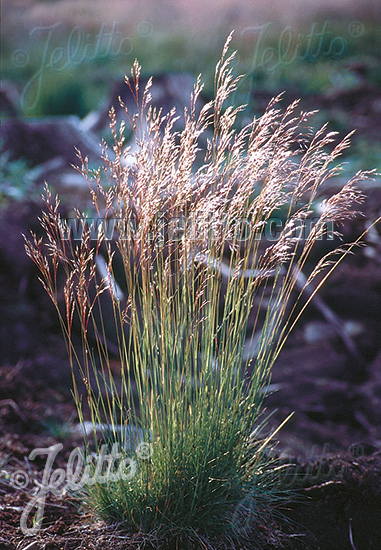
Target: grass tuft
x=194 y=274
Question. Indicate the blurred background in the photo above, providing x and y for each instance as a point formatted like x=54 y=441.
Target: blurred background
x=63 y=66
x=63 y=57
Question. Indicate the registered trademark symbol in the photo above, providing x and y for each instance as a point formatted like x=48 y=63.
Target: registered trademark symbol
x=356 y=28
x=144 y=450
x=357 y=450
x=144 y=28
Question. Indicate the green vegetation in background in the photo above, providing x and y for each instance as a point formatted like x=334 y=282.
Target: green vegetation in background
x=364 y=154
x=15 y=184
x=80 y=88
x=309 y=66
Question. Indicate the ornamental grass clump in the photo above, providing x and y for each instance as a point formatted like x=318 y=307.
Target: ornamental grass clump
x=194 y=282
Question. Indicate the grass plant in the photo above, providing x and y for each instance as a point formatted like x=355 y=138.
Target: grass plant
x=198 y=277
